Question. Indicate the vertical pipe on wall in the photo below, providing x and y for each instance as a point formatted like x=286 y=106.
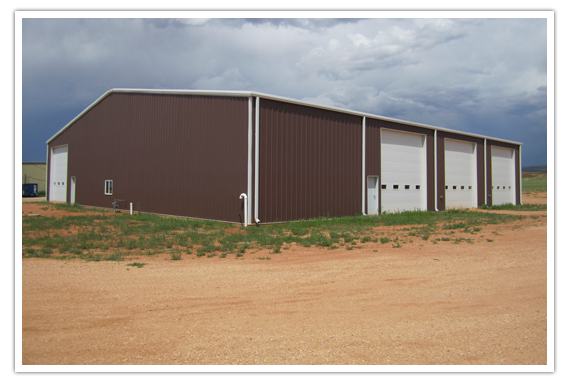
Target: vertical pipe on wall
x=435 y=168
x=520 y=176
x=363 y=164
x=243 y=197
x=256 y=208
x=485 y=169
x=47 y=167
x=249 y=161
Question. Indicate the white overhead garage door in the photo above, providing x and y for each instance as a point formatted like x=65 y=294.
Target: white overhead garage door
x=403 y=157
x=460 y=174
x=58 y=174
x=503 y=175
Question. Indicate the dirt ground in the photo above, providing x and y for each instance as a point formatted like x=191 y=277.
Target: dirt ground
x=483 y=303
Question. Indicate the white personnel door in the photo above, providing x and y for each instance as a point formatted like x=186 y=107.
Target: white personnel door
x=372 y=195
x=58 y=174
x=72 y=191
x=460 y=174
x=404 y=173
x=503 y=175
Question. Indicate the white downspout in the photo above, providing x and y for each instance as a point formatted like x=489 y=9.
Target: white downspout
x=485 y=168
x=520 y=175
x=245 y=208
x=47 y=163
x=363 y=165
x=435 y=167
x=256 y=206
x=249 y=160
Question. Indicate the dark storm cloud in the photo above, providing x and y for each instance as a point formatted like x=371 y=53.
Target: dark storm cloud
x=486 y=76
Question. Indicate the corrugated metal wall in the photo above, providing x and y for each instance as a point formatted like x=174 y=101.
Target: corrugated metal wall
x=378 y=123
x=310 y=162
x=441 y=135
x=171 y=154
x=518 y=181
x=34 y=173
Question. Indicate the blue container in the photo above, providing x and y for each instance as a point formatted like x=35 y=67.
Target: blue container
x=29 y=190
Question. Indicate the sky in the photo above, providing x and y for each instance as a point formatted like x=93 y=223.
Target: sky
x=485 y=76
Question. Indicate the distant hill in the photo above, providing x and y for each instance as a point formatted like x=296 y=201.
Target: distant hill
x=534 y=169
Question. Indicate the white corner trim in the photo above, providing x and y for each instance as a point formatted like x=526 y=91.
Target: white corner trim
x=364 y=165
x=256 y=207
x=249 y=157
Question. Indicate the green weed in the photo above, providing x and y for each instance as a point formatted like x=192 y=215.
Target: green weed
x=175 y=255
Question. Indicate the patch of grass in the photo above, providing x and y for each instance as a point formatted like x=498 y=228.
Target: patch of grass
x=460 y=239
x=116 y=256
x=99 y=236
x=138 y=265
x=175 y=255
x=535 y=184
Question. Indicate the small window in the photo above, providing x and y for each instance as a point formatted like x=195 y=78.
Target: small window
x=417 y=187
x=395 y=187
x=503 y=188
x=509 y=187
x=463 y=188
x=407 y=187
x=383 y=186
x=454 y=187
x=108 y=187
x=470 y=188
x=446 y=187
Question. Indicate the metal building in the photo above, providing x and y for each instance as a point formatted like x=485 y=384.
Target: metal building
x=246 y=156
x=34 y=173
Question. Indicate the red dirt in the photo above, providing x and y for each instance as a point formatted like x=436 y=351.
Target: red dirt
x=423 y=303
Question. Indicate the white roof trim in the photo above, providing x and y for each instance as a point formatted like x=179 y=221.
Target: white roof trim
x=273 y=97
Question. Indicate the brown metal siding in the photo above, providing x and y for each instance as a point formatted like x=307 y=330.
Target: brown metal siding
x=429 y=151
x=441 y=135
x=518 y=181
x=171 y=154
x=310 y=162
